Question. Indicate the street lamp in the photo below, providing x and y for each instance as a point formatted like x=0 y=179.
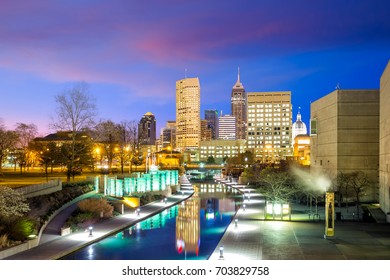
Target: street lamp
x=165 y=200
x=221 y=253
x=244 y=206
x=90 y=231
x=138 y=210
x=235 y=223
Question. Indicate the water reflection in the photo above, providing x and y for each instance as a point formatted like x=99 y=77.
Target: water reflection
x=188 y=226
x=190 y=230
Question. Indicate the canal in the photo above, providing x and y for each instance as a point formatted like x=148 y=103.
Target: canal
x=190 y=230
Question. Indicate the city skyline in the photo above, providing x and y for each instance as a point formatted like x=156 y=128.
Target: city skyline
x=131 y=53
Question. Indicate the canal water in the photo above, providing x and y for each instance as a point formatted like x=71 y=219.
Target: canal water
x=190 y=230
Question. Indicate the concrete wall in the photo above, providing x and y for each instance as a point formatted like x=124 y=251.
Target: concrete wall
x=347 y=137
x=323 y=146
x=358 y=135
x=384 y=141
x=40 y=189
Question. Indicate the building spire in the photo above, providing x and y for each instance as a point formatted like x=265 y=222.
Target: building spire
x=299 y=118
x=238 y=83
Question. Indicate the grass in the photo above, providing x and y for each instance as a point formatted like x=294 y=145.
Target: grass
x=11 y=178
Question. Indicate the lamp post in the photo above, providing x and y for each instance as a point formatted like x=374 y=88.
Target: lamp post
x=235 y=223
x=244 y=206
x=221 y=253
x=90 y=231
x=165 y=200
x=138 y=210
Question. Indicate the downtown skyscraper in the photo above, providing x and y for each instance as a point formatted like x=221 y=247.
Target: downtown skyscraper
x=147 y=129
x=269 y=125
x=239 y=107
x=211 y=115
x=187 y=114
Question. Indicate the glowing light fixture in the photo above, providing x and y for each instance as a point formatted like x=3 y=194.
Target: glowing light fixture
x=221 y=253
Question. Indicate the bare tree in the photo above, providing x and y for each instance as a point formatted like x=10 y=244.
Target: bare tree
x=134 y=147
x=107 y=135
x=26 y=133
x=359 y=183
x=8 y=140
x=124 y=143
x=75 y=113
x=342 y=185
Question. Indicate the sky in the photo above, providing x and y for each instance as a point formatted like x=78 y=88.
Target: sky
x=131 y=53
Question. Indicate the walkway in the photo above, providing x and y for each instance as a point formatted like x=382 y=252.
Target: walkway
x=302 y=238
x=53 y=246
x=254 y=238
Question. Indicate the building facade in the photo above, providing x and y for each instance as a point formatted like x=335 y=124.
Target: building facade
x=344 y=130
x=239 y=108
x=227 y=127
x=168 y=135
x=206 y=132
x=221 y=149
x=302 y=150
x=187 y=114
x=269 y=125
x=211 y=115
x=147 y=129
x=384 y=141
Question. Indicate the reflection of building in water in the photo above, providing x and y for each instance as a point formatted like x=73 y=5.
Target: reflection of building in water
x=212 y=208
x=157 y=221
x=216 y=204
x=188 y=226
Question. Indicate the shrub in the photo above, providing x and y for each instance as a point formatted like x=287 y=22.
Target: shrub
x=97 y=206
x=22 y=228
x=80 y=220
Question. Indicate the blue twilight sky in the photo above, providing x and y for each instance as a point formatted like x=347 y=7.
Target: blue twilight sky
x=132 y=52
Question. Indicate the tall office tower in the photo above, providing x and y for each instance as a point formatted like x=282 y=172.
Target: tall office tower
x=168 y=135
x=147 y=129
x=239 y=107
x=212 y=121
x=269 y=125
x=298 y=128
x=227 y=127
x=187 y=114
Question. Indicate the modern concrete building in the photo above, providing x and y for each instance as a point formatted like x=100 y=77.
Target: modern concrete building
x=384 y=141
x=187 y=114
x=227 y=129
x=211 y=115
x=220 y=149
x=344 y=130
x=239 y=107
x=147 y=129
x=269 y=125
